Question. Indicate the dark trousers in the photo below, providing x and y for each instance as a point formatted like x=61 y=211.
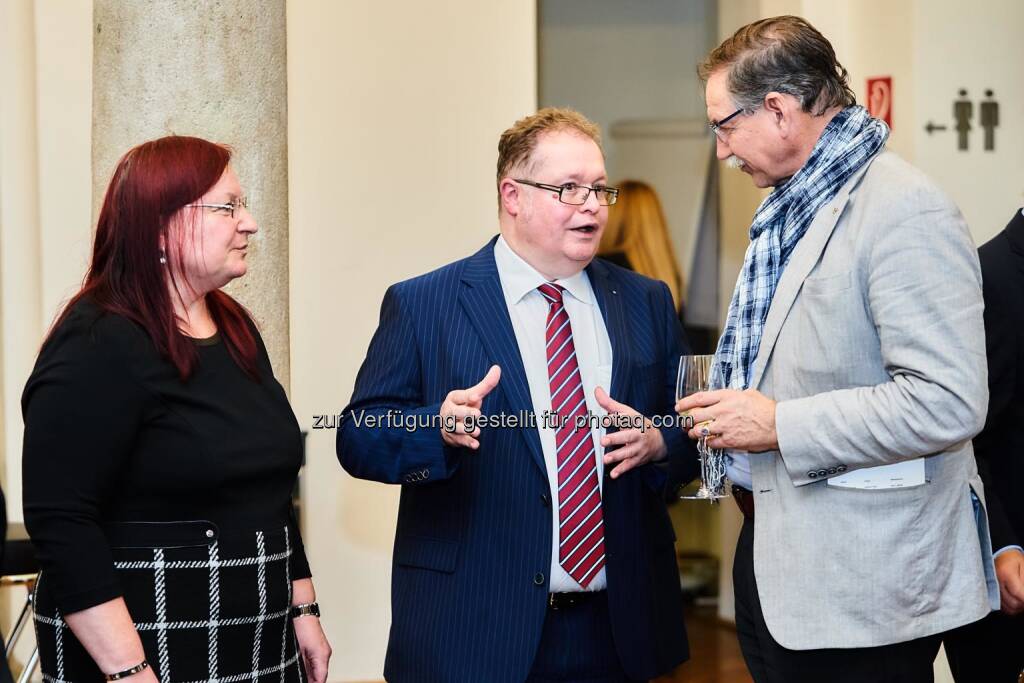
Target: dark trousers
x=769 y=662
x=990 y=650
x=576 y=646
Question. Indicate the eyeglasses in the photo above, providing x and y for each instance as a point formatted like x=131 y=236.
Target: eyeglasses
x=576 y=195
x=228 y=209
x=716 y=126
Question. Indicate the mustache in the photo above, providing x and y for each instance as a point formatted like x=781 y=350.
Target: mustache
x=734 y=162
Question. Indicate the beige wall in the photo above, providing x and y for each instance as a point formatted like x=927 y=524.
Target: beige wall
x=19 y=219
x=64 y=95
x=974 y=46
x=394 y=118
x=45 y=188
x=645 y=51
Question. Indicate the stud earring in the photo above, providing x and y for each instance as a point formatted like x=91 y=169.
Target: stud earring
x=163 y=258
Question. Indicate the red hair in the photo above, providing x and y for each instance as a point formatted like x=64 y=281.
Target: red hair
x=151 y=183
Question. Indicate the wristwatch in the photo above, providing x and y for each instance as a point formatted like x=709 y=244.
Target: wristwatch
x=309 y=608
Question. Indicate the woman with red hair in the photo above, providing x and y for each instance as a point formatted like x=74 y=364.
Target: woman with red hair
x=160 y=451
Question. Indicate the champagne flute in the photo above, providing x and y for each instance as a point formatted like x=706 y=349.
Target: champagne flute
x=700 y=373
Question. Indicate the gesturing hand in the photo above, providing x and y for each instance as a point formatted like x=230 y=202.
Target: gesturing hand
x=635 y=446
x=462 y=403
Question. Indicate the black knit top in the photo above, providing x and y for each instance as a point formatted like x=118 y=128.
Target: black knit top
x=113 y=435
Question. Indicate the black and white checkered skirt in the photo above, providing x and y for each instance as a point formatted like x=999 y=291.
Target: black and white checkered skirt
x=208 y=606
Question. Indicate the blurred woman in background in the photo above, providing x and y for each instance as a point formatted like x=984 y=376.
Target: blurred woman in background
x=637 y=238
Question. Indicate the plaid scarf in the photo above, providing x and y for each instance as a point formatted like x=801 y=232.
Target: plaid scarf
x=850 y=139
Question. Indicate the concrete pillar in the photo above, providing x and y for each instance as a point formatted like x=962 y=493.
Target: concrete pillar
x=215 y=71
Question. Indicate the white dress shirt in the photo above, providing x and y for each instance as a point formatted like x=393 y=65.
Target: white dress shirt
x=528 y=310
x=737 y=469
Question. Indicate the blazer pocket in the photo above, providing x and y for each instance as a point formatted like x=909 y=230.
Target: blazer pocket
x=824 y=285
x=424 y=552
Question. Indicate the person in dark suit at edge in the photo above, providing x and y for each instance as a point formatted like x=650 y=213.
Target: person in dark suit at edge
x=991 y=649
x=538 y=552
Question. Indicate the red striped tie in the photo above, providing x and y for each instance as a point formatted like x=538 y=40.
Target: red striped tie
x=580 y=524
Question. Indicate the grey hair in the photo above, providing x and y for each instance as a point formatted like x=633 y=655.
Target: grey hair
x=781 y=54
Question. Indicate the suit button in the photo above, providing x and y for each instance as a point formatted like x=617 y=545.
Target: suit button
x=545 y=500
x=538 y=579
x=833 y=470
x=822 y=473
x=841 y=468
x=426 y=474
x=812 y=474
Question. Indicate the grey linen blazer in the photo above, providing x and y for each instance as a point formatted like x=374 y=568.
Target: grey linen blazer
x=874 y=348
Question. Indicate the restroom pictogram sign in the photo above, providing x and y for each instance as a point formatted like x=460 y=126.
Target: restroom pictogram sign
x=879 y=99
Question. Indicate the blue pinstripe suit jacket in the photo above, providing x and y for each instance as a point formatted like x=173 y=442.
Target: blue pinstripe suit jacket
x=473 y=544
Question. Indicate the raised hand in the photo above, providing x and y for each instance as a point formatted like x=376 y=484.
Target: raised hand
x=635 y=446
x=462 y=403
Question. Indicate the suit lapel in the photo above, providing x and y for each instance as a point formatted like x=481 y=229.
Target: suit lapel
x=483 y=302
x=609 y=299
x=805 y=256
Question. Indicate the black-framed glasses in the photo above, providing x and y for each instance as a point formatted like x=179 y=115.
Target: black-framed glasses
x=575 y=195
x=716 y=126
x=228 y=209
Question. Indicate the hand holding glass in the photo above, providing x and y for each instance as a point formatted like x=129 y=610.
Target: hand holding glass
x=696 y=374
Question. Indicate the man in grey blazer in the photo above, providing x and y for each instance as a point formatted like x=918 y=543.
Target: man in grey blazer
x=854 y=361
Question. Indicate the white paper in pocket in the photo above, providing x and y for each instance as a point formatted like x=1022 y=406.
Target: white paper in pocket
x=899 y=475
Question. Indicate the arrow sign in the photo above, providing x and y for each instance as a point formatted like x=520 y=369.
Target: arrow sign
x=932 y=127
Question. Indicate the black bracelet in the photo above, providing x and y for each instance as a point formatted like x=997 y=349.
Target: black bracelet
x=310 y=608
x=141 y=666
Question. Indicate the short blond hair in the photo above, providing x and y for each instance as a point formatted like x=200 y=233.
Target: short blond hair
x=517 y=144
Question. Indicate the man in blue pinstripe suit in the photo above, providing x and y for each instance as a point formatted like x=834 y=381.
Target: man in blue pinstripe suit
x=533 y=543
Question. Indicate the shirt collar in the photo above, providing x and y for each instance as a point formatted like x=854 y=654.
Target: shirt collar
x=519 y=278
